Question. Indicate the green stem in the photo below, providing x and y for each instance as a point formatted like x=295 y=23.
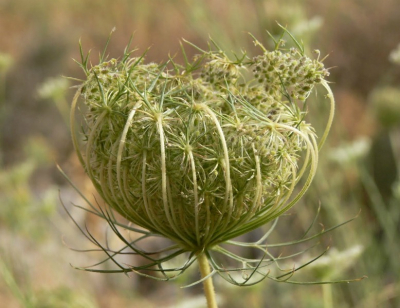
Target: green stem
x=208 y=284
x=327 y=292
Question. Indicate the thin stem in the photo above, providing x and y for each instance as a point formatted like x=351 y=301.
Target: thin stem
x=225 y=164
x=195 y=195
x=207 y=283
x=167 y=205
x=327 y=292
x=331 y=114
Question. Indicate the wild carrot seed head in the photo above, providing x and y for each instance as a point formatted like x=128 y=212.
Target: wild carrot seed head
x=204 y=154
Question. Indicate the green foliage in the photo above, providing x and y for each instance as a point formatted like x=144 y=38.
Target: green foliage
x=19 y=204
x=385 y=105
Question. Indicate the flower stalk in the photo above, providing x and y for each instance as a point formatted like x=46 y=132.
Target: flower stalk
x=205 y=272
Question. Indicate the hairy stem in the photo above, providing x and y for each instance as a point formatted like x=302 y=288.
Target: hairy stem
x=207 y=283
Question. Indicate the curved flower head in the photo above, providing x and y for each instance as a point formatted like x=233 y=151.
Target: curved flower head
x=203 y=152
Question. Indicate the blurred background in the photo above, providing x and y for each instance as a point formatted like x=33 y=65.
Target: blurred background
x=358 y=173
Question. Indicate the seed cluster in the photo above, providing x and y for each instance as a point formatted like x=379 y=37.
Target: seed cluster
x=220 y=71
x=199 y=155
x=296 y=72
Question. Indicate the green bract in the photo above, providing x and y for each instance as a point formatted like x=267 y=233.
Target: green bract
x=205 y=152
